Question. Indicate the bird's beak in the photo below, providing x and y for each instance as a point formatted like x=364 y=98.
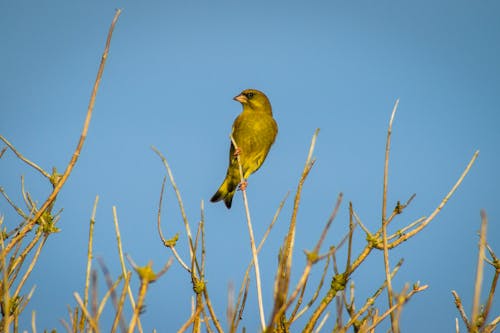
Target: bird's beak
x=241 y=98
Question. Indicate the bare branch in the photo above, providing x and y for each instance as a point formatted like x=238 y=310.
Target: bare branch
x=62 y=180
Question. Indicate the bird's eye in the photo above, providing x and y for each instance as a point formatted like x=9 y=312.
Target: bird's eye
x=249 y=95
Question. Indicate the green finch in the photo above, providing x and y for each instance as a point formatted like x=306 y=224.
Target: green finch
x=254 y=132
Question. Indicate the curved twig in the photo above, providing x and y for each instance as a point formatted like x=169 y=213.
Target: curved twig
x=57 y=188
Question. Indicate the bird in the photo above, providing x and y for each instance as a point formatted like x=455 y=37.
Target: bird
x=254 y=131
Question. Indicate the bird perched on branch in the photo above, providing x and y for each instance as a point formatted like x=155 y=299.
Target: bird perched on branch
x=254 y=132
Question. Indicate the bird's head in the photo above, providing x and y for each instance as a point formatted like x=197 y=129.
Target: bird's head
x=254 y=99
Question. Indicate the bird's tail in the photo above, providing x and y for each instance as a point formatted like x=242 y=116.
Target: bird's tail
x=225 y=192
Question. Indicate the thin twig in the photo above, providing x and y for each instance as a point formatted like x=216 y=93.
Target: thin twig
x=284 y=266
x=190 y=238
x=111 y=290
x=491 y=326
x=171 y=242
x=17 y=209
x=311 y=259
x=191 y=319
x=16 y=264
x=412 y=233
x=369 y=302
x=203 y=245
x=371 y=244
x=212 y=311
x=252 y=242
x=30 y=267
x=351 y=233
x=147 y=276
x=230 y=309
x=179 y=200
x=122 y=262
x=109 y=293
x=5 y=289
x=24 y=159
x=242 y=308
x=244 y=283
x=119 y=309
x=328 y=224
x=89 y=260
x=322 y=322
x=33 y=321
x=196 y=282
x=494 y=281
x=458 y=304
x=384 y=220
x=93 y=294
x=57 y=188
x=315 y=295
x=479 y=272
x=90 y=320
x=405 y=229
x=397 y=305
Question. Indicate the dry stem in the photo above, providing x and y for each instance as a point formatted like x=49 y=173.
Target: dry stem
x=89 y=260
x=58 y=186
x=252 y=241
x=284 y=266
x=122 y=262
x=384 y=220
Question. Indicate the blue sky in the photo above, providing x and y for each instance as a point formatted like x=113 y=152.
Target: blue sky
x=172 y=71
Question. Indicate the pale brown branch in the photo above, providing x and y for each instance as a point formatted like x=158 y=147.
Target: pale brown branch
x=5 y=291
x=24 y=159
x=111 y=289
x=315 y=295
x=412 y=233
x=458 y=304
x=284 y=266
x=33 y=321
x=369 y=302
x=479 y=271
x=147 y=276
x=122 y=262
x=13 y=205
x=191 y=319
x=16 y=264
x=322 y=322
x=109 y=293
x=396 y=306
x=312 y=258
x=493 y=285
x=328 y=223
x=384 y=220
x=90 y=320
x=57 y=188
x=119 y=309
x=252 y=242
x=89 y=260
x=171 y=242
x=244 y=283
x=211 y=310
x=491 y=326
x=30 y=267
x=179 y=200
x=4 y=149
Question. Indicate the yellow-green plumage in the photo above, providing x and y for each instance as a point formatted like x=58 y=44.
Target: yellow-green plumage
x=254 y=131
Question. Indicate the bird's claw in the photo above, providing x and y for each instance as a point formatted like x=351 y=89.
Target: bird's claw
x=243 y=185
x=237 y=151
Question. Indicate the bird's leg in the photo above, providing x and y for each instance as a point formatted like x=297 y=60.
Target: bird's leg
x=243 y=185
x=237 y=151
